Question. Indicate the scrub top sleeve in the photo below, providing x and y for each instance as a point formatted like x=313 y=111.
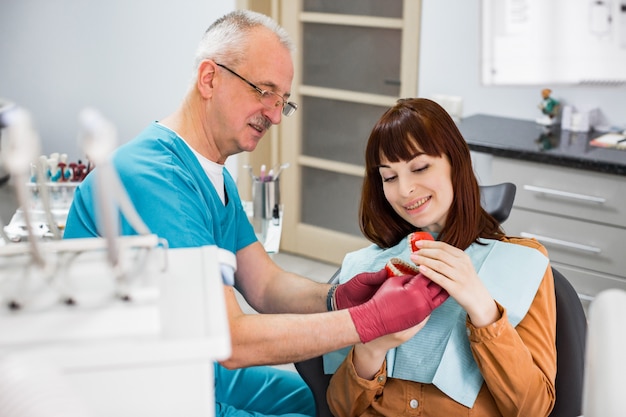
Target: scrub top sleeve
x=246 y=235
x=174 y=210
x=80 y=222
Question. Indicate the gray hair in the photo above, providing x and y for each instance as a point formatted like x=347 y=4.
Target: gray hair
x=226 y=40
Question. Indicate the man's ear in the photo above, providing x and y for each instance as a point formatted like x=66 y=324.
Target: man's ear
x=206 y=75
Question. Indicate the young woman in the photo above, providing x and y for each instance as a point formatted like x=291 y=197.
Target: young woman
x=489 y=349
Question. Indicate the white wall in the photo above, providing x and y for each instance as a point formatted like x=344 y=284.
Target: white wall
x=450 y=64
x=131 y=59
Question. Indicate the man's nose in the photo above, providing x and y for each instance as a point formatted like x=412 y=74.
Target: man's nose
x=274 y=114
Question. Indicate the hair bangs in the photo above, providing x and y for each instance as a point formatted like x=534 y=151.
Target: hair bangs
x=405 y=132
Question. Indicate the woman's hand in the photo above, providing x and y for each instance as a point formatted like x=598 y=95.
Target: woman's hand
x=452 y=268
x=369 y=356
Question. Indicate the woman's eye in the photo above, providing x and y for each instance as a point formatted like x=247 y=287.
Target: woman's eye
x=420 y=168
x=389 y=179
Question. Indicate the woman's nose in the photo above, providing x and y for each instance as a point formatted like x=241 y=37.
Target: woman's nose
x=406 y=187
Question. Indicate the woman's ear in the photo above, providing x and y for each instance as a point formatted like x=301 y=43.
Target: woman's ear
x=206 y=75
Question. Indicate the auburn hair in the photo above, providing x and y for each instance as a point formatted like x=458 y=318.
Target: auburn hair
x=420 y=125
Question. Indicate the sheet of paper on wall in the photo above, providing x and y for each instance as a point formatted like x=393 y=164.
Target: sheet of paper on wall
x=610 y=140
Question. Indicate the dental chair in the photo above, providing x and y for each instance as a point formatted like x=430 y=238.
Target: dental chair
x=571 y=328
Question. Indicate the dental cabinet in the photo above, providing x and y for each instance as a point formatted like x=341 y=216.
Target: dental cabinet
x=151 y=352
x=571 y=196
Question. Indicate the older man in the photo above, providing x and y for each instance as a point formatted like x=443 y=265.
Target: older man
x=174 y=173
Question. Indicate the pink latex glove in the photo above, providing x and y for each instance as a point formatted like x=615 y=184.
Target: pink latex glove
x=359 y=289
x=363 y=286
x=400 y=303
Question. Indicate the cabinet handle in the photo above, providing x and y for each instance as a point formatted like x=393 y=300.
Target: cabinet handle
x=566 y=194
x=564 y=243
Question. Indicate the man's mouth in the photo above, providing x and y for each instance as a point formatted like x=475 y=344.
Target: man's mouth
x=258 y=128
x=260 y=125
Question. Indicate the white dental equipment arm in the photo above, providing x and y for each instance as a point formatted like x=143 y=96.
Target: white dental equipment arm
x=20 y=148
x=98 y=140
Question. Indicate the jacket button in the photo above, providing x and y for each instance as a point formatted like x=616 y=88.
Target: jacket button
x=381 y=378
x=414 y=403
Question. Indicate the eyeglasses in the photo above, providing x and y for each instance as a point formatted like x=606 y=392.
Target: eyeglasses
x=267 y=97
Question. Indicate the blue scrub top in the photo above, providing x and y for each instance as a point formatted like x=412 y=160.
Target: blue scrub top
x=172 y=194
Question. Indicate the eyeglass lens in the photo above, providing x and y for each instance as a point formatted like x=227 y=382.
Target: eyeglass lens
x=269 y=99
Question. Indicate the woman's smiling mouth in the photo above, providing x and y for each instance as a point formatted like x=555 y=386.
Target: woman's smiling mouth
x=418 y=203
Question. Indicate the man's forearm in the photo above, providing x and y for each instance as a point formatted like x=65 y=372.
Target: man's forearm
x=271 y=339
x=295 y=294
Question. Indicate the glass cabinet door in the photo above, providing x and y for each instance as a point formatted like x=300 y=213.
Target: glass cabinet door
x=376 y=8
x=341 y=57
x=355 y=59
